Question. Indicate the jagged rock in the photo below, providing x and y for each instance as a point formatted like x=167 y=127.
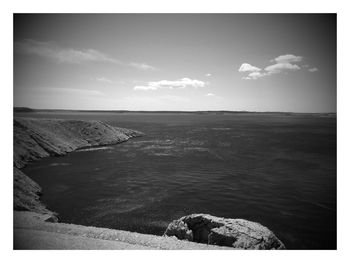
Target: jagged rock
x=180 y=230
x=237 y=233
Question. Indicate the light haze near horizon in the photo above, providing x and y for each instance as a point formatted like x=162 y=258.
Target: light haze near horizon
x=178 y=62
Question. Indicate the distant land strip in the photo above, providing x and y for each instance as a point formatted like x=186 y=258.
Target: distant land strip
x=29 y=110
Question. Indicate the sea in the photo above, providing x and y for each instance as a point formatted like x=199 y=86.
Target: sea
x=278 y=169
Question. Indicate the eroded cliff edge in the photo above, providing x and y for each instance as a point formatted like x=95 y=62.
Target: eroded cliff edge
x=38 y=138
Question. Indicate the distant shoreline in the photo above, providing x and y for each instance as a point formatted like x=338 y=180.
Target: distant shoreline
x=31 y=110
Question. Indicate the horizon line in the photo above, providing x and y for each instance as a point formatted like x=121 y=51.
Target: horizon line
x=28 y=109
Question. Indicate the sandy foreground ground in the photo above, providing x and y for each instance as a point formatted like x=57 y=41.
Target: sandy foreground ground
x=32 y=232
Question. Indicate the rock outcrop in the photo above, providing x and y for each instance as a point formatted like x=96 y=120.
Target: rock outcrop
x=236 y=233
x=27 y=194
x=38 y=138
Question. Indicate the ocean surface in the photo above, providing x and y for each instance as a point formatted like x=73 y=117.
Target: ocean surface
x=275 y=169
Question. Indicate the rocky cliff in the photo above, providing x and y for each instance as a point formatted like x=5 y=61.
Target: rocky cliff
x=236 y=233
x=38 y=138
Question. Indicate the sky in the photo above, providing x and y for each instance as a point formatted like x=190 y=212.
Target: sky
x=177 y=62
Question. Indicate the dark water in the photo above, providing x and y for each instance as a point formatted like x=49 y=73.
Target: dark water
x=279 y=170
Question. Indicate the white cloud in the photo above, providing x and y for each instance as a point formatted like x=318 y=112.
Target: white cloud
x=142 y=66
x=208 y=74
x=105 y=80
x=256 y=75
x=245 y=67
x=283 y=63
x=272 y=69
x=288 y=58
x=210 y=94
x=169 y=84
x=279 y=67
x=69 y=55
x=145 y=88
x=313 y=69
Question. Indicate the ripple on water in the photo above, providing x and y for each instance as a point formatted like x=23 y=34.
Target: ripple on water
x=59 y=188
x=156 y=147
x=59 y=164
x=221 y=129
x=134 y=199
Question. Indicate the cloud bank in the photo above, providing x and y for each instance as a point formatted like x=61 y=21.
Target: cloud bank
x=104 y=80
x=142 y=66
x=69 y=55
x=172 y=84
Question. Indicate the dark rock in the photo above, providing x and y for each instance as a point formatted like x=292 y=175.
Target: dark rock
x=237 y=233
x=180 y=230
